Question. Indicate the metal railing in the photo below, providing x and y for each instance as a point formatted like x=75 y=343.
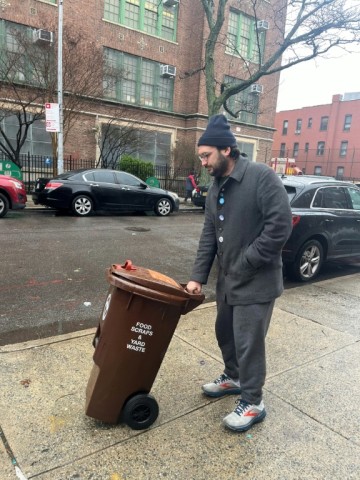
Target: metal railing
x=37 y=166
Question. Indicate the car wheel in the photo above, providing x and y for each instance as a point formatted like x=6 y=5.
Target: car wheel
x=308 y=261
x=4 y=205
x=82 y=206
x=140 y=411
x=163 y=207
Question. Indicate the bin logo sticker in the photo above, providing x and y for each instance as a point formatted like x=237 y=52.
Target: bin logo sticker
x=106 y=307
x=142 y=329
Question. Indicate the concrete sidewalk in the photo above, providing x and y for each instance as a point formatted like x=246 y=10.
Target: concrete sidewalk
x=312 y=397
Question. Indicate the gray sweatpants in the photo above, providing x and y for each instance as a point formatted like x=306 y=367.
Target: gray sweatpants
x=240 y=332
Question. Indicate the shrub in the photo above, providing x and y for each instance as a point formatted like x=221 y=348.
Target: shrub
x=137 y=167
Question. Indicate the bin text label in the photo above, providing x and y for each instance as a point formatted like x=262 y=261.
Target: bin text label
x=139 y=345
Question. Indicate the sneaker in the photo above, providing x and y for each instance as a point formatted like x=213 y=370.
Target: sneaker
x=223 y=385
x=245 y=415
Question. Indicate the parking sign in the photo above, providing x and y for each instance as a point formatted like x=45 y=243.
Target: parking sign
x=52 y=117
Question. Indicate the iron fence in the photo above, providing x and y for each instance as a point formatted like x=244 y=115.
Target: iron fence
x=37 y=166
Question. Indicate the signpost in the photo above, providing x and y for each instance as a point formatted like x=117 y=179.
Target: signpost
x=52 y=117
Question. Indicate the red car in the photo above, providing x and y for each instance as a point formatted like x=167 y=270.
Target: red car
x=12 y=194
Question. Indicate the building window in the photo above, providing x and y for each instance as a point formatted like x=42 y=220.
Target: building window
x=22 y=60
x=245 y=104
x=296 y=150
x=154 y=147
x=282 y=150
x=243 y=39
x=248 y=148
x=324 y=123
x=343 y=148
x=150 y=16
x=285 y=127
x=320 y=148
x=347 y=123
x=298 y=126
x=38 y=140
x=136 y=80
x=317 y=170
x=309 y=122
x=340 y=173
x=306 y=147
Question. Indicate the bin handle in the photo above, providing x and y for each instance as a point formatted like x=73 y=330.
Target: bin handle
x=128 y=265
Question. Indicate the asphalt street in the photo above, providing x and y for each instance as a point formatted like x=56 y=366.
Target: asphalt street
x=52 y=277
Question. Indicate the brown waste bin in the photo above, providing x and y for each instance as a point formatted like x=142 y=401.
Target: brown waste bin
x=139 y=318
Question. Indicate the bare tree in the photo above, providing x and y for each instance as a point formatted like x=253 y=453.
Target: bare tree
x=120 y=134
x=185 y=157
x=21 y=98
x=28 y=80
x=302 y=29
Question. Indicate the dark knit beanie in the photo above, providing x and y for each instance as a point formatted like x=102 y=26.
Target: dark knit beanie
x=218 y=133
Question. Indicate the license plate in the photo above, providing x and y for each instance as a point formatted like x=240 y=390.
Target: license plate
x=204 y=194
x=37 y=186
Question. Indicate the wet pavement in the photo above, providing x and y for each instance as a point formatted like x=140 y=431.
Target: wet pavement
x=312 y=397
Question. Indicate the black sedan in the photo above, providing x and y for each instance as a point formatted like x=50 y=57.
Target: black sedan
x=326 y=224
x=84 y=191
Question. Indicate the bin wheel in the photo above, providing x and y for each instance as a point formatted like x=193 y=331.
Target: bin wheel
x=140 y=411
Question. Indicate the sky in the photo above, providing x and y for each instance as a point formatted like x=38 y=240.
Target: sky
x=316 y=81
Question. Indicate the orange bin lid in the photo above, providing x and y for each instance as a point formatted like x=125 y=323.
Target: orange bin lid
x=154 y=285
x=148 y=278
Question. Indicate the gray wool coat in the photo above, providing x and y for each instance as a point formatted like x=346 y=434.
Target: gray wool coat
x=246 y=233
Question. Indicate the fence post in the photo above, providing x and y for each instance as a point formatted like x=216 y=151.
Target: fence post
x=166 y=176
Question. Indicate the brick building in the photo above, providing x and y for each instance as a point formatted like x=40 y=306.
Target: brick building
x=323 y=139
x=156 y=43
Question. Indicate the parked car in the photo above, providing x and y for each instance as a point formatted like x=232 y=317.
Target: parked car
x=12 y=194
x=326 y=224
x=84 y=191
x=199 y=196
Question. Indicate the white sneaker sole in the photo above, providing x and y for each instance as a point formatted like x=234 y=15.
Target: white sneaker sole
x=243 y=428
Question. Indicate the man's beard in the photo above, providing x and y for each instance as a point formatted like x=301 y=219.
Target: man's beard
x=221 y=166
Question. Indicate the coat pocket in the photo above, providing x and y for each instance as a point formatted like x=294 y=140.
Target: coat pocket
x=243 y=272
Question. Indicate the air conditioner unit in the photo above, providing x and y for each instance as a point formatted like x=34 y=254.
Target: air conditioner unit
x=43 y=36
x=170 y=3
x=167 y=71
x=256 y=88
x=262 y=25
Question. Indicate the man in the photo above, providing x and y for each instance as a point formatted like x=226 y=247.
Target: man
x=247 y=222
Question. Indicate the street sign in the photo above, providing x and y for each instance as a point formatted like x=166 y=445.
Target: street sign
x=10 y=168
x=52 y=117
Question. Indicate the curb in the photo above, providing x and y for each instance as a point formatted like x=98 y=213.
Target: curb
x=40 y=342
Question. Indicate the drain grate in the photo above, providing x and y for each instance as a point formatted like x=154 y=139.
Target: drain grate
x=138 y=229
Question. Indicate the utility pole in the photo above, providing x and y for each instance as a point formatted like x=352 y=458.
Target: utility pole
x=60 y=152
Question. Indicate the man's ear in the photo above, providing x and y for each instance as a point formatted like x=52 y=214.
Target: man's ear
x=227 y=151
